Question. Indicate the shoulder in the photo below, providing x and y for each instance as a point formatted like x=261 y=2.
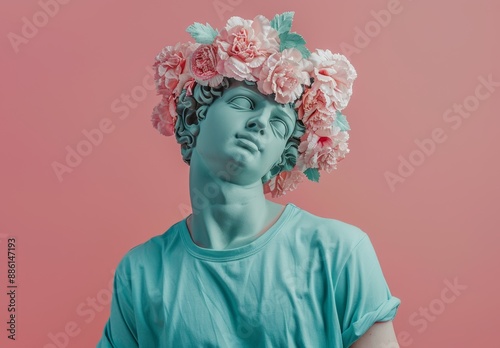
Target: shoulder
x=149 y=252
x=327 y=229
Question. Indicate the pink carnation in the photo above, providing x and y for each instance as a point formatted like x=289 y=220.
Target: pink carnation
x=284 y=73
x=335 y=76
x=284 y=182
x=315 y=108
x=188 y=86
x=170 y=68
x=243 y=46
x=164 y=116
x=250 y=50
x=203 y=66
x=323 y=149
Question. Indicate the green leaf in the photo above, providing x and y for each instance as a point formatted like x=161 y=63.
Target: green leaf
x=305 y=52
x=283 y=22
x=291 y=40
x=294 y=40
x=341 y=122
x=312 y=174
x=203 y=34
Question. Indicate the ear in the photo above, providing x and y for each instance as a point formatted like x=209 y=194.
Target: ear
x=187 y=126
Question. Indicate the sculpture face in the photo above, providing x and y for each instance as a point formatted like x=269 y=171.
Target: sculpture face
x=244 y=133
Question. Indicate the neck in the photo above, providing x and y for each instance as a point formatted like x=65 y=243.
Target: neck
x=225 y=214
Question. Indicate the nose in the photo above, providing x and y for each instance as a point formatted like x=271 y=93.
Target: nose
x=258 y=121
x=256 y=124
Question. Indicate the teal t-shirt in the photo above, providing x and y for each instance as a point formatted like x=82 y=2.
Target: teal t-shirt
x=308 y=281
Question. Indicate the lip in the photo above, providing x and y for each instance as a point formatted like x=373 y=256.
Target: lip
x=249 y=141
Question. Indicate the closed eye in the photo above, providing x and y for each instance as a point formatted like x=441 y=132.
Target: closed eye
x=242 y=102
x=281 y=127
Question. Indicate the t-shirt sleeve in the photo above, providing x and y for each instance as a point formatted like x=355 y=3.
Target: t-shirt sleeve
x=362 y=294
x=120 y=330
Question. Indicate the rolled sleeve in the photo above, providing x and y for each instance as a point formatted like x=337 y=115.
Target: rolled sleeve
x=362 y=294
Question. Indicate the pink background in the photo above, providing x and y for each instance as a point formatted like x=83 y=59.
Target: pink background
x=438 y=223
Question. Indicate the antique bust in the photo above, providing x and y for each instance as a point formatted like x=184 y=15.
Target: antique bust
x=255 y=114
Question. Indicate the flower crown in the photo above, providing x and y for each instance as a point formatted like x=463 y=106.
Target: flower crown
x=318 y=84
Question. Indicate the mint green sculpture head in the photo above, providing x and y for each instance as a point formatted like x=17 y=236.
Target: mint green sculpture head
x=235 y=124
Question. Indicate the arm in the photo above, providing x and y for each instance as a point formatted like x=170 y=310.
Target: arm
x=379 y=335
x=365 y=305
x=120 y=330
